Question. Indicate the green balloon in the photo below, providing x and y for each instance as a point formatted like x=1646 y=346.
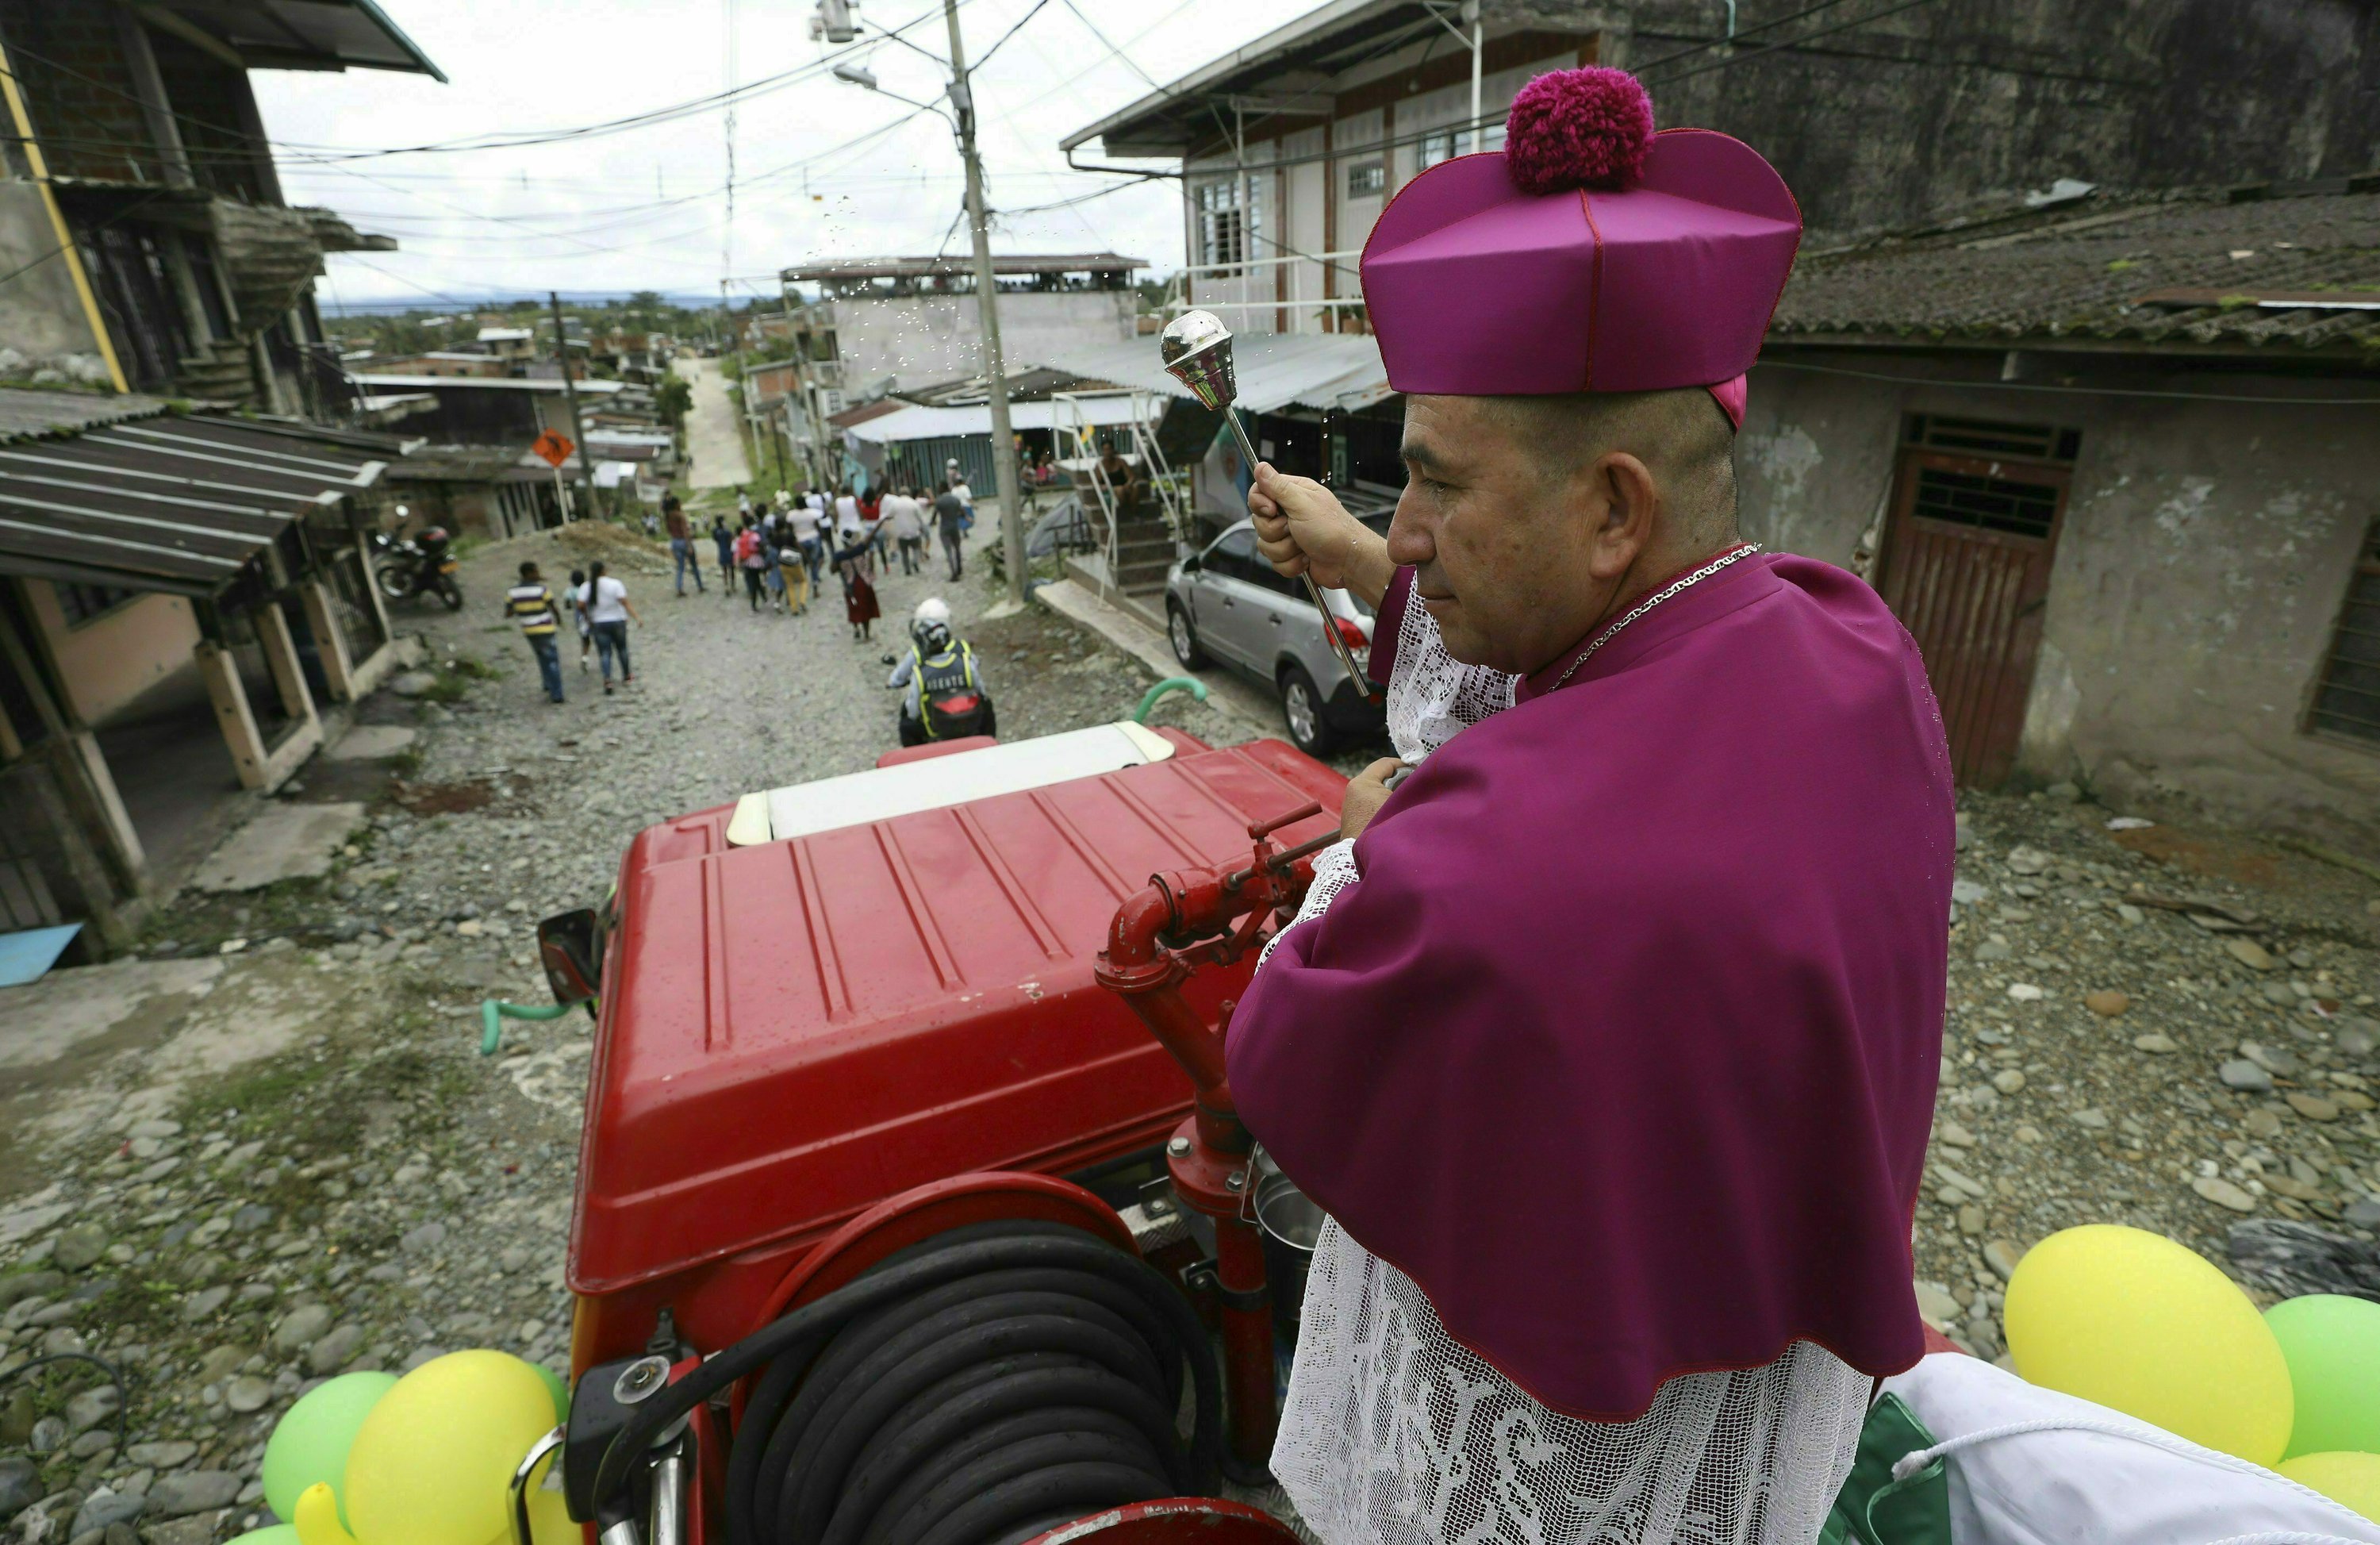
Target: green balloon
x=556 y=1388
x=2332 y=1342
x=270 y=1534
x=311 y=1442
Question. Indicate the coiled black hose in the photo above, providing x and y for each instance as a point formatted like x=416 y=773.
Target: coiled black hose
x=978 y=1389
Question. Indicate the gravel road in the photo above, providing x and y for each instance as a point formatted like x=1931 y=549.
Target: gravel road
x=365 y=1190
x=290 y=1160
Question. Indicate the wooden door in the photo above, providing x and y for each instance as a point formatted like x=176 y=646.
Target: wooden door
x=1967 y=571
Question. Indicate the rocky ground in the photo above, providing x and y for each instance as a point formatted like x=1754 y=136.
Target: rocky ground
x=362 y=1189
x=284 y=1158
x=2156 y=1025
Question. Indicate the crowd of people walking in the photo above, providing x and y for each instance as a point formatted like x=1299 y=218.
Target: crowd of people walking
x=775 y=553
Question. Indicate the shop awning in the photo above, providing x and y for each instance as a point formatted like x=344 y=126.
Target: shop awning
x=166 y=503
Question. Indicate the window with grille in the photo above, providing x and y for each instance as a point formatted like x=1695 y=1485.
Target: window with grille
x=1366 y=179
x=1940 y=431
x=1222 y=225
x=2003 y=505
x=2347 y=700
x=84 y=604
x=1444 y=145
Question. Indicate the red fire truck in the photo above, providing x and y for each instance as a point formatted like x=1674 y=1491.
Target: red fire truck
x=912 y=1207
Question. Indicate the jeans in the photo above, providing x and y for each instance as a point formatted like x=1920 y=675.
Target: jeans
x=910 y=548
x=612 y=637
x=753 y=587
x=682 y=561
x=955 y=550
x=814 y=554
x=549 y=663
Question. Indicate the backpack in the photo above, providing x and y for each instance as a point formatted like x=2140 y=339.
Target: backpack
x=950 y=703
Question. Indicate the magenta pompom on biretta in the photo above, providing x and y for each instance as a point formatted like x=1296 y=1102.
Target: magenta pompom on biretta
x=1591 y=254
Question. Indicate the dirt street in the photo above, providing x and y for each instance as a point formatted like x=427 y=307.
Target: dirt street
x=269 y=1150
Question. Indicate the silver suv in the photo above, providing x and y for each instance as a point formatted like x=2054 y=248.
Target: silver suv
x=1226 y=605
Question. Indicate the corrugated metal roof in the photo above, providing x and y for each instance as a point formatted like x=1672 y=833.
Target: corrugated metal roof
x=33 y=414
x=912 y=422
x=2171 y=274
x=925 y=268
x=180 y=503
x=1275 y=369
x=482 y=384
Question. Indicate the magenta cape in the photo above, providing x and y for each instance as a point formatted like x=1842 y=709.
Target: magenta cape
x=1624 y=1046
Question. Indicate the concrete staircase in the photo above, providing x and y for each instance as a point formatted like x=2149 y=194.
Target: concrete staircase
x=1143 y=552
x=222 y=374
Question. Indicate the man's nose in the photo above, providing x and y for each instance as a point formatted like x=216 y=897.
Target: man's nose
x=1411 y=544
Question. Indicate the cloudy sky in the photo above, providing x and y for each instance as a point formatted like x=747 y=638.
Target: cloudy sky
x=822 y=168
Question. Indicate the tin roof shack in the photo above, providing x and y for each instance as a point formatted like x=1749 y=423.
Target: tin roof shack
x=487 y=490
x=182 y=598
x=2113 y=465
x=134 y=136
x=887 y=323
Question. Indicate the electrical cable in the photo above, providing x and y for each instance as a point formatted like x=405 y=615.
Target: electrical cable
x=985 y=1385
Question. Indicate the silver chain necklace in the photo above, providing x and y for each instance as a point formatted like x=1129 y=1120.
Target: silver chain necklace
x=1664 y=593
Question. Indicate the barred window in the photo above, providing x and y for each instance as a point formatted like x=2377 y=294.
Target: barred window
x=1222 y=223
x=1366 y=179
x=2347 y=699
x=1444 y=145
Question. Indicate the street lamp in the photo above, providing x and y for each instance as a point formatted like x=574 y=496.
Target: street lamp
x=858 y=75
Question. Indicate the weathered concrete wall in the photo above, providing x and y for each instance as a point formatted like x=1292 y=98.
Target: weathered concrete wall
x=43 y=324
x=108 y=662
x=919 y=340
x=1928 y=110
x=2205 y=552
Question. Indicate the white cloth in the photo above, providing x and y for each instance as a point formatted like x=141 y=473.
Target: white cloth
x=1393 y=1433
x=805 y=522
x=2032 y=1466
x=609 y=602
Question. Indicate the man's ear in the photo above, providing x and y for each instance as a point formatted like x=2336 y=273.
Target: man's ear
x=1623 y=497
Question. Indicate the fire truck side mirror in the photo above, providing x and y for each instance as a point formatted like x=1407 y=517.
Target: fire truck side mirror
x=570 y=946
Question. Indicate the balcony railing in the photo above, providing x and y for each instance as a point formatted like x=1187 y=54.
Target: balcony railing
x=1302 y=313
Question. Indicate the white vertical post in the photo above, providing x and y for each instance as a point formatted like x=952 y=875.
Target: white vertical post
x=1478 y=36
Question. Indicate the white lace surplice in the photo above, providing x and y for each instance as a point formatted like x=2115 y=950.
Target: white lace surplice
x=1395 y=1434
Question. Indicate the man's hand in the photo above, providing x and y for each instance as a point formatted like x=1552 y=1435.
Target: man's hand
x=1367 y=792
x=1302 y=527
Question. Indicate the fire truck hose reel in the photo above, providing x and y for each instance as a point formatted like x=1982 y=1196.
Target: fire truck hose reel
x=982 y=1387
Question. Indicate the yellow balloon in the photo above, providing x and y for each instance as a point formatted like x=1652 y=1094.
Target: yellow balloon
x=2349 y=1479
x=433 y=1461
x=549 y=1520
x=317 y=1517
x=2133 y=1320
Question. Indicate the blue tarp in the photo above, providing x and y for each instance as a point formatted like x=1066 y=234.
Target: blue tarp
x=28 y=957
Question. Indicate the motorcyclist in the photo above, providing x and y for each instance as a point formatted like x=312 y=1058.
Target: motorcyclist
x=944 y=694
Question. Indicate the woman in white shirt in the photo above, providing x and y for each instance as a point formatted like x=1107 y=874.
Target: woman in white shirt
x=604 y=601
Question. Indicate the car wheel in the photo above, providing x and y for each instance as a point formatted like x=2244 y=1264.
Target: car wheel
x=1301 y=708
x=1178 y=628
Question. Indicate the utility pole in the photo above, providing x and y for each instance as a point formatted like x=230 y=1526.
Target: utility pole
x=1003 y=438
x=570 y=390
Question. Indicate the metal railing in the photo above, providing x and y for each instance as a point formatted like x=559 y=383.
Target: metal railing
x=1304 y=314
x=1071 y=430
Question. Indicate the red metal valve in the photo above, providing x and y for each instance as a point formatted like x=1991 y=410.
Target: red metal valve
x=1184 y=920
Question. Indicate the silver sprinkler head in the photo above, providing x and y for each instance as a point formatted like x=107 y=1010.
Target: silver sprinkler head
x=1196 y=351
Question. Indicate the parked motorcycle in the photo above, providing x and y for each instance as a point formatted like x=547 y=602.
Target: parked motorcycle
x=418 y=564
